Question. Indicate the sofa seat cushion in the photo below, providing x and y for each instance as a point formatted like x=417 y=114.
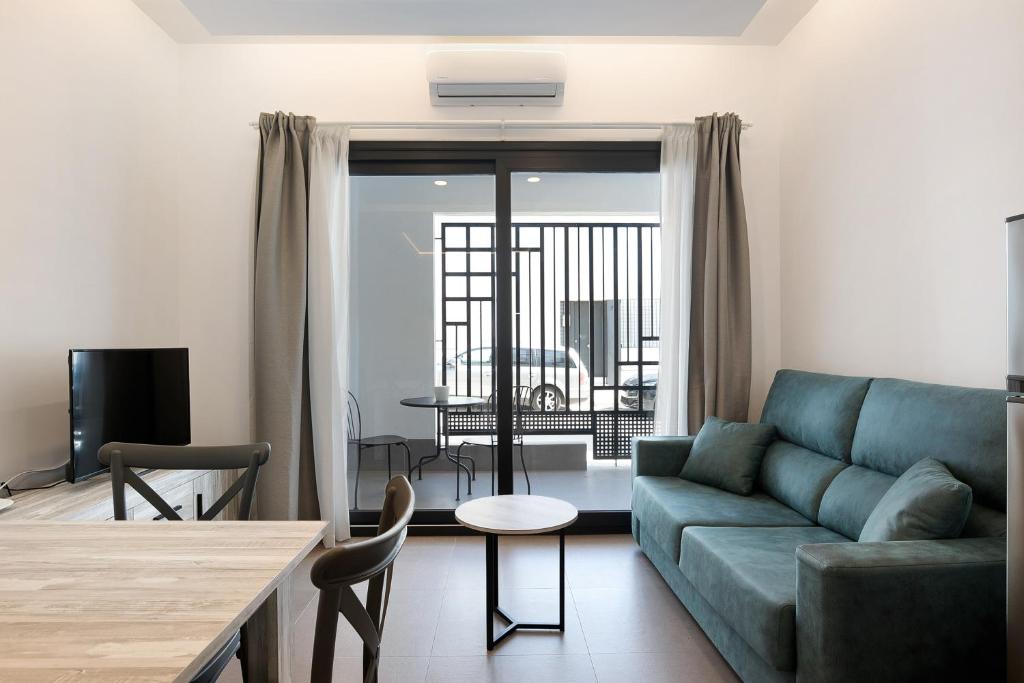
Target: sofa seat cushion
x=748 y=576
x=665 y=506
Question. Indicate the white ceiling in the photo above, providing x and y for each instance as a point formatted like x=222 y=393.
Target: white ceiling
x=764 y=21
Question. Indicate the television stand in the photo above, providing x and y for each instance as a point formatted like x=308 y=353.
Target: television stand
x=91 y=499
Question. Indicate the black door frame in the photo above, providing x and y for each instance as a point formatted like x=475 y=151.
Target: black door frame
x=500 y=159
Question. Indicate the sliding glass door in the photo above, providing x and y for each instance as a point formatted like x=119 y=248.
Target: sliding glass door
x=399 y=350
x=586 y=277
x=541 y=263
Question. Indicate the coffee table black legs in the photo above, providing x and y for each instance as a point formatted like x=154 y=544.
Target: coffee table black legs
x=494 y=609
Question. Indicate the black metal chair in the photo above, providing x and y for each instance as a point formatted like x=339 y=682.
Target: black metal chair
x=356 y=438
x=338 y=569
x=523 y=396
x=122 y=457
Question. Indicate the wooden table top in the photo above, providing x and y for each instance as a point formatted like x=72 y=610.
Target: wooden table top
x=516 y=514
x=134 y=601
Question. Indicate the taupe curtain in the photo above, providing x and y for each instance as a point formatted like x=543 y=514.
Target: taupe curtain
x=718 y=376
x=280 y=396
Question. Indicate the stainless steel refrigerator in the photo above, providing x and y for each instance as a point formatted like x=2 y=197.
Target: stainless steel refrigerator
x=1015 y=448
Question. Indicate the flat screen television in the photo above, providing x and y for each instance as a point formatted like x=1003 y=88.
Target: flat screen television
x=133 y=395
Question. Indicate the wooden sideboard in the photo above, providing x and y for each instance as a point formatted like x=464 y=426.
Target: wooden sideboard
x=184 y=490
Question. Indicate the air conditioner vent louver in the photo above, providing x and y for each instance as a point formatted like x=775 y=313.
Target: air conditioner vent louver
x=496 y=78
x=453 y=90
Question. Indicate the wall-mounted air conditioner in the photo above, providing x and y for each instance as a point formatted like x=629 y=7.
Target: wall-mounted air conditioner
x=464 y=78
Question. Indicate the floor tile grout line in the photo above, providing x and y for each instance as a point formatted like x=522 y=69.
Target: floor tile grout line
x=579 y=618
x=593 y=667
x=444 y=594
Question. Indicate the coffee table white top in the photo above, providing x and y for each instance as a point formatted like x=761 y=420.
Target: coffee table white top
x=516 y=514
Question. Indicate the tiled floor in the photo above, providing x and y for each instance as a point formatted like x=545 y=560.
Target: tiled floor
x=623 y=624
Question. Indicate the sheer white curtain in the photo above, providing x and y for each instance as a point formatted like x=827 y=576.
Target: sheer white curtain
x=328 y=321
x=678 y=160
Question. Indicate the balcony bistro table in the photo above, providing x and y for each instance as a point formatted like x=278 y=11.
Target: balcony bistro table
x=442 y=431
x=516 y=515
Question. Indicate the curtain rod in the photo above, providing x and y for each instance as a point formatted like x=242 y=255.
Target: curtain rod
x=499 y=124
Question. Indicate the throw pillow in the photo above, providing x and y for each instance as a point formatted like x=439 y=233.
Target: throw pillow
x=926 y=502
x=727 y=455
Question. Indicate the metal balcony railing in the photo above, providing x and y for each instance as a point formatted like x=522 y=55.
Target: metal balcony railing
x=586 y=328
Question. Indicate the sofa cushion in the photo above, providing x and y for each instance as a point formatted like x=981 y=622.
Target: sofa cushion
x=664 y=506
x=816 y=411
x=984 y=521
x=964 y=429
x=798 y=477
x=925 y=503
x=749 y=577
x=850 y=499
x=728 y=455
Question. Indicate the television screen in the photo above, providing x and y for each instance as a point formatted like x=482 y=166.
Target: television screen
x=133 y=395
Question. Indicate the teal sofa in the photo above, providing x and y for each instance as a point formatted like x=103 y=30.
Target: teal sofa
x=777 y=579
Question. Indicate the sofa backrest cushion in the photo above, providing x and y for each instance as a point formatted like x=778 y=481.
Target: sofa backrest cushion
x=984 y=521
x=798 y=477
x=902 y=422
x=851 y=498
x=816 y=411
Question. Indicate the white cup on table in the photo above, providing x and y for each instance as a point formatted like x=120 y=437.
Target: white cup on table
x=441 y=394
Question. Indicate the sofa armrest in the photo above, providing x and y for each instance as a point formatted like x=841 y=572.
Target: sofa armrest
x=902 y=610
x=660 y=456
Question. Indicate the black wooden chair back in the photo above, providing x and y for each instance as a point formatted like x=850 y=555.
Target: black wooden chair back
x=338 y=569
x=354 y=418
x=522 y=395
x=122 y=457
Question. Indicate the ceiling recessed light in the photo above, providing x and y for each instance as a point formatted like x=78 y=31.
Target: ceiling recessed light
x=533 y=179
x=440 y=183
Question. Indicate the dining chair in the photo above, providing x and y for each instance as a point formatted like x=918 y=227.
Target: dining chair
x=123 y=457
x=356 y=438
x=338 y=569
x=523 y=396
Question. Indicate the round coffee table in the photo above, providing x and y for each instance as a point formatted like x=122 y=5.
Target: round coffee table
x=516 y=516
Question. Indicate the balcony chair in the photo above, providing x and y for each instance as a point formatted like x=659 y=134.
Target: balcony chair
x=523 y=395
x=122 y=457
x=356 y=438
x=338 y=569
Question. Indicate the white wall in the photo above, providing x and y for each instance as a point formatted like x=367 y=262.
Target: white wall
x=128 y=172
x=226 y=86
x=128 y=175
x=902 y=153
x=88 y=255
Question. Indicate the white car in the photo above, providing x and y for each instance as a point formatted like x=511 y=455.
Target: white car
x=471 y=373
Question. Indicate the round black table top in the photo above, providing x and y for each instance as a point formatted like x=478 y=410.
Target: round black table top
x=452 y=402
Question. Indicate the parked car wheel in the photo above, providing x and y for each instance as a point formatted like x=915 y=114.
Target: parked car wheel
x=548 y=396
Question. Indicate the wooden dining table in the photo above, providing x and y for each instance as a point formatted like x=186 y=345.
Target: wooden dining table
x=145 y=601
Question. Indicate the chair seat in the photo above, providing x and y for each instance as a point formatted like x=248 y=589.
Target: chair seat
x=381 y=440
x=748 y=575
